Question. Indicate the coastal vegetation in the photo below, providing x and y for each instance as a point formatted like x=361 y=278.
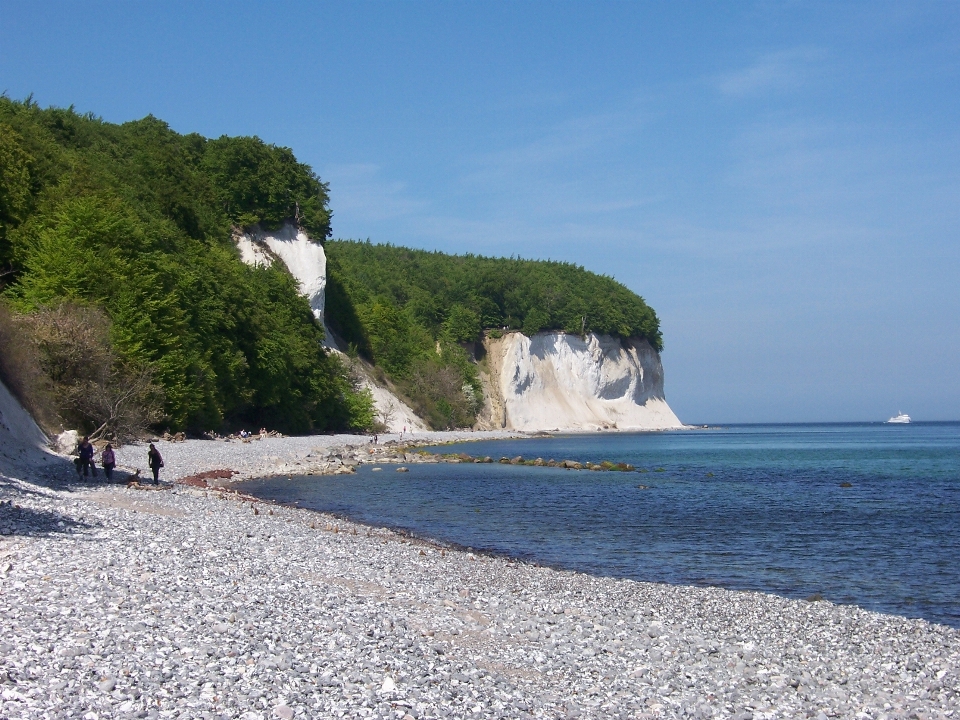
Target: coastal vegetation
x=420 y=315
x=124 y=303
x=457 y=296
x=124 y=232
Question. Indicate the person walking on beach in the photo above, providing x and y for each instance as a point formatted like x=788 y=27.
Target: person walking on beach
x=85 y=451
x=155 y=462
x=109 y=461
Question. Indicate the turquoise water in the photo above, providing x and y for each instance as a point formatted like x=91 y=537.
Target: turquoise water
x=755 y=507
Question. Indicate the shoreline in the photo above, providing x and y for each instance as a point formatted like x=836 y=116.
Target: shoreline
x=305 y=454
x=193 y=602
x=301 y=454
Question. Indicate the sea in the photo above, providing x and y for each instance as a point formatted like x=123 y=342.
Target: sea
x=862 y=513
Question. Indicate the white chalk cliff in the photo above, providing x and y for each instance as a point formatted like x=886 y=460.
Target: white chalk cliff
x=23 y=445
x=393 y=412
x=555 y=381
x=303 y=258
x=306 y=261
x=552 y=381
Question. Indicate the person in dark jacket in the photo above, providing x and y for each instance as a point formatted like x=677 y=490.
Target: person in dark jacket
x=85 y=451
x=109 y=461
x=155 y=462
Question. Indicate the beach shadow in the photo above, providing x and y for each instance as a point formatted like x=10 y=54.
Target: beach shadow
x=57 y=472
x=29 y=522
x=120 y=477
x=10 y=488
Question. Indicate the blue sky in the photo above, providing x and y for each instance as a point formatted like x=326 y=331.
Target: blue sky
x=780 y=180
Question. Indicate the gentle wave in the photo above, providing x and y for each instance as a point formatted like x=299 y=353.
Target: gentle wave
x=864 y=514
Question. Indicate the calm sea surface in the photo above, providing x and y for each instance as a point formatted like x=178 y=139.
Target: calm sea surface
x=758 y=507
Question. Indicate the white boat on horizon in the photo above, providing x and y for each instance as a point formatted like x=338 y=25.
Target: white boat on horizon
x=901 y=419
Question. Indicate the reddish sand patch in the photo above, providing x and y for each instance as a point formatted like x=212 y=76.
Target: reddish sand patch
x=200 y=479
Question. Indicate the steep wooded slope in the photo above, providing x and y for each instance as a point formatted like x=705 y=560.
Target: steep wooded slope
x=136 y=219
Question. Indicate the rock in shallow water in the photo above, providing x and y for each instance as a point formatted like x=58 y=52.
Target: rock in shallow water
x=188 y=603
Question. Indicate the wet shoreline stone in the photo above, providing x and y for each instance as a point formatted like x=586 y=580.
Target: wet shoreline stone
x=196 y=602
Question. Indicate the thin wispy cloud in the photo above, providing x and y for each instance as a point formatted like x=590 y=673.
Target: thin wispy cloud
x=780 y=180
x=516 y=194
x=783 y=70
x=559 y=143
x=361 y=189
x=868 y=178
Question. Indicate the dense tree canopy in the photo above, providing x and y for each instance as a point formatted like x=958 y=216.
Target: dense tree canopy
x=135 y=222
x=418 y=314
x=136 y=219
x=457 y=296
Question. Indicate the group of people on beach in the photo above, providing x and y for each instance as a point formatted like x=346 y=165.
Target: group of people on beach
x=85 y=461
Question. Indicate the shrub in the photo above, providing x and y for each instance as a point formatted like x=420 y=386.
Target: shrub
x=81 y=377
x=135 y=220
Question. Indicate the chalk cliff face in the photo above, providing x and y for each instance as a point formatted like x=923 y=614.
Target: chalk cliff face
x=307 y=262
x=552 y=381
x=555 y=381
x=23 y=445
x=303 y=258
x=393 y=412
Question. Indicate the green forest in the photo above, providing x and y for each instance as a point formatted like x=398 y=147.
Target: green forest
x=121 y=280
x=124 y=304
x=418 y=314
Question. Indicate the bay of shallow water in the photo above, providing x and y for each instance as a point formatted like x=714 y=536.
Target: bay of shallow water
x=752 y=507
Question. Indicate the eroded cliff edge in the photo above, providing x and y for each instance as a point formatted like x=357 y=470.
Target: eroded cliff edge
x=550 y=381
x=556 y=381
x=306 y=261
x=303 y=258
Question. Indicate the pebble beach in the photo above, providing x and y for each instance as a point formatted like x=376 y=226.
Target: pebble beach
x=192 y=602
